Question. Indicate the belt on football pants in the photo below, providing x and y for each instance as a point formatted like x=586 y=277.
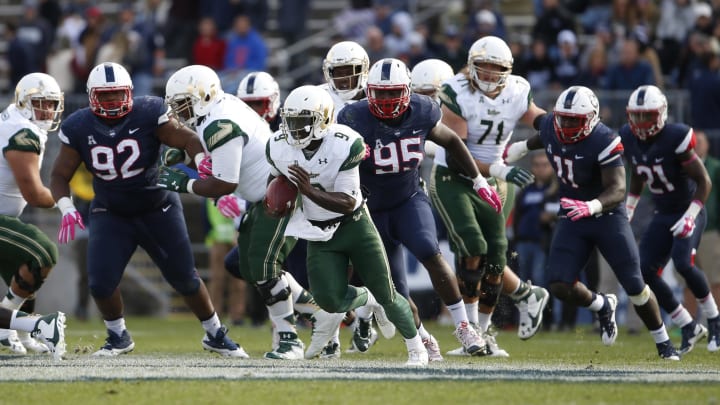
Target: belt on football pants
x=328 y=223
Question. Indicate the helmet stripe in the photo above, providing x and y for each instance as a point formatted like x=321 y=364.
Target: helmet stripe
x=567 y=104
x=250 y=88
x=385 y=72
x=109 y=73
x=641 y=96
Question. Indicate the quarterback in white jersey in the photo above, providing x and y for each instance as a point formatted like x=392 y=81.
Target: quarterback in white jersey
x=483 y=104
x=28 y=255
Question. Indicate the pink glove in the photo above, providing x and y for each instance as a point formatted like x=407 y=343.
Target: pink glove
x=580 y=209
x=685 y=226
x=204 y=168
x=487 y=193
x=67 y=225
x=229 y=206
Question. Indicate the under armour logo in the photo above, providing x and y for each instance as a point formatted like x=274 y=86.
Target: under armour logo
x=446 y=178
x=91 y=140
x=322 y=160
x=506 y=101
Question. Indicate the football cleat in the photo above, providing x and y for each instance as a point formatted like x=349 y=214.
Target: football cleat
x=324 y=325
x=433 y=349
x=386 y=327
x=223 y=345
x=471 y=340
x=417 y=358
x=115 y=345
x=9 y=340
x=50 y=329
x=691 y=334
x=364 y=336
x=531 y=308
x=491 y=347
x=667 y=351
x=290 y=348
x=608 y=326
x=714 y=334
x=31 y=343
x=331 y=351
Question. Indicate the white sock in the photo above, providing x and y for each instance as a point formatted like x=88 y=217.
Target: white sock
x=212 y=324
x=458 y=313
x=22 y=321
x=484 y=321
x=298 y=291
x=424 y=334
x=708 y=306
x=471 y=309
x=117 y=326
x=597 y=303
x=12 y=300
x=366 y=311
x=680 y=316
x=414 y=343
x=660 y=335
x=280 y=314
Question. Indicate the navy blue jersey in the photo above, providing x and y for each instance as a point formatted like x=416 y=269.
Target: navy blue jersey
x=578 y=165
x=656 y=160
x=390 y=174
x=121 y=154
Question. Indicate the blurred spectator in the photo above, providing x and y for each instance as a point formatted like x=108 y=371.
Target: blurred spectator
x=398 y=40
x=703 y=18
x=223 y=12
x=246 y=51
x=72 y=26
x=37 y=33
x=418 y=51
x=208 y=48
x=676 y=18
x=648 y=54
x=453 y=52
x=375 y=45
x=566 y=70
x=352 y=22
x=594 y=75
x=593 y=13
x=51 y=12
x=632 y=14
x=484 y=22
x=517 y=48
x=631 y=72
x=539 y=66
x=292 y=19
x=182 y=21
x=704 y=87
x=553 y=20
x=85 y=52
x=383 y=16
x=18 y=56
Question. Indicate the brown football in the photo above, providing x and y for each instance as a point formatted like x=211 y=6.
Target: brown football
x=280 y=197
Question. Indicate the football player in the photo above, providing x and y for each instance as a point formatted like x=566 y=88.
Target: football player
x=662 y=156
x=27 y=255
x=395 y=123
x=587 y=159
x=483 y=104
x=118 y=137
x=322 y=158
x=235 y=136
x=261 y=92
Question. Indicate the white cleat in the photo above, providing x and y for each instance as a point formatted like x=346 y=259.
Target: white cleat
x=531 y=309
x=324 y=326
x=386 y=327
x=50 y=329
x=491 y=347
x=290 y=348
x=433 y=349
x=9 y=340
x=32 y=344
x=417 y=358
x=608 y=326
x=472 y=342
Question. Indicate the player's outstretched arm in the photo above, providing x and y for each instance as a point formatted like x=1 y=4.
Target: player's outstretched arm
x=25 y=166
x=179 y=136
x=66 y=163
x=695 y=169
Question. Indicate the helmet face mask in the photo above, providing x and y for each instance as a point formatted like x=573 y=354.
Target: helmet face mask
x=190 y=92
x=109 y=90
x=388 y=89
x=490 y=63
x=346 y=68
x=261 y=92
x=38 y=98
x=577 y=112
x=306 y=114
x=646 y=112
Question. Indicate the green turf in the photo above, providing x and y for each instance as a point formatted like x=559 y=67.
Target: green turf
x=180 y=334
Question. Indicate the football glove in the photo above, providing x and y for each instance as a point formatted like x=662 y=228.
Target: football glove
x=230 y=206
x=630 y=205
x=70 y=218
x=685 y=226
x=487 y=193
x=204 y=167
x=512 y=174
x=580 y=209
x=174 y=180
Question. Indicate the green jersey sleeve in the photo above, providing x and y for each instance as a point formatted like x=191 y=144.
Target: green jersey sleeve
x=24 y=140
x=220 y=132
x=448 y=97
x=356 y=155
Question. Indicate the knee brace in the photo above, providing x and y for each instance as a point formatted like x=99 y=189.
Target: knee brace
x=37 y=282
x=471 y=277
x=273 y=290
x=489 y=293
x=642 y=298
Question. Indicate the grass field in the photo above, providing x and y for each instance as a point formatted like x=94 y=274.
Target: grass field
x=168 y=366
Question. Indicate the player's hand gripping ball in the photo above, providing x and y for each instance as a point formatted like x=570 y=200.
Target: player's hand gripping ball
x=280 y=197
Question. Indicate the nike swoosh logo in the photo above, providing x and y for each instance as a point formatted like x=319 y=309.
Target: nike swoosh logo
x=132 y=131
x=416 y=131
x=164 y=209
x=579 y=157
x=658 y=160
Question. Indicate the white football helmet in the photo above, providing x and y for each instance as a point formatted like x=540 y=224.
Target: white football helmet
x=110 y=77
x=261 y=92
x=577 y=112
x=647 y=111
x=306 y=115
x=191 y=91
x=347 y=84
x=428 y=76
x=388 y=88
x=38 y=98
x=489 y=50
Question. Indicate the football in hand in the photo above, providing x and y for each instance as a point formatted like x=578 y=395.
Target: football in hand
x=280 y=197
